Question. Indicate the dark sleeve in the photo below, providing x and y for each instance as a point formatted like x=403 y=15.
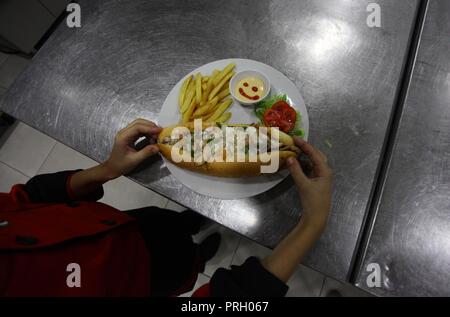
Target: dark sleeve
x=250 y=279
x=54 y=188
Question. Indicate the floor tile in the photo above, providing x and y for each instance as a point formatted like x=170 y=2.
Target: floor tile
x=120 y=193
x=224 y=256
x=125 y=194
x=201 y=280
x=10 y=177
x=64 y=158
x=25 y=148
x=345 y=290
x=174 y=206
x=11 y=68
x=304 y=282
x=249 y=248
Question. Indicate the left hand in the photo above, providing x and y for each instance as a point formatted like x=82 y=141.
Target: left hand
x=124 y=157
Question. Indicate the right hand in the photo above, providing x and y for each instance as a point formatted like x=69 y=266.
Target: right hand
x=314 y=191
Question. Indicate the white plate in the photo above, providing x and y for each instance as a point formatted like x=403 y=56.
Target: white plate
x=232 y=188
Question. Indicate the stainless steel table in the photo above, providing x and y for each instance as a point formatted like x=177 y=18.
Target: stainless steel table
x=85 y=84
x=410 y=239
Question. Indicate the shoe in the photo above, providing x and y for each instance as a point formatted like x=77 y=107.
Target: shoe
x=209 y=247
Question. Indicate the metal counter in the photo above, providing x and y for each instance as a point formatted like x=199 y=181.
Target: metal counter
x=410 y=238
x=85 y=84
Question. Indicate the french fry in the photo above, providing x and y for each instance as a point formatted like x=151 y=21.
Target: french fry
x=219 y=86
x=220 y=110
x=190 y=93
x=209 y=87
x=205 y=96
x=212 y=109
x=209 y=115
x=183 y=91
x=187 y=115
x=225 y=117
x=210 y=112
x=206 y=117
x=198 y=88
x=221 y=96
x=202 y=110
x=214 y=102
x=224 y=93
x=224 y=73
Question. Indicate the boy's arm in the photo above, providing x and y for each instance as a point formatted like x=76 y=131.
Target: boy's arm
x=315 y=196
x=285 y=258
x=269 y=276
x=123 y=159
x=87 y=184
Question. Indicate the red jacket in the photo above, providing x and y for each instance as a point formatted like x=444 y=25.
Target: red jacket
x=39 y=241
x=44 y=234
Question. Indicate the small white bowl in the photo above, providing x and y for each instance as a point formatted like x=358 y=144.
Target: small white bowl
x=249 y=73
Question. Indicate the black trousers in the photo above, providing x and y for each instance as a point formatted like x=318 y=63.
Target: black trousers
x=174 y=257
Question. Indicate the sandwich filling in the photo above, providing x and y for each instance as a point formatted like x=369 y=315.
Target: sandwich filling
x=218 y=141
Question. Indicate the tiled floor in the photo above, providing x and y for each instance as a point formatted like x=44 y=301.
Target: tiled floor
x=48 y=155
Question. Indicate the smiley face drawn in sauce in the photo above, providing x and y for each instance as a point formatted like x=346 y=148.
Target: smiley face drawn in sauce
x=250 y=88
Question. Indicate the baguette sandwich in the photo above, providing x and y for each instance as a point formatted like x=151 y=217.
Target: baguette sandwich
x=167 y=140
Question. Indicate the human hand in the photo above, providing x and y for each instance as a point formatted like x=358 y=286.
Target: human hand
x=314 y=191
x=124 y=157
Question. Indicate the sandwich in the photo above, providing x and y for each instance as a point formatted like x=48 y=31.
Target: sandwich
x=210 y=150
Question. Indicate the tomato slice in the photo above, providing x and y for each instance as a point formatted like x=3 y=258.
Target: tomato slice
x=280 y=115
